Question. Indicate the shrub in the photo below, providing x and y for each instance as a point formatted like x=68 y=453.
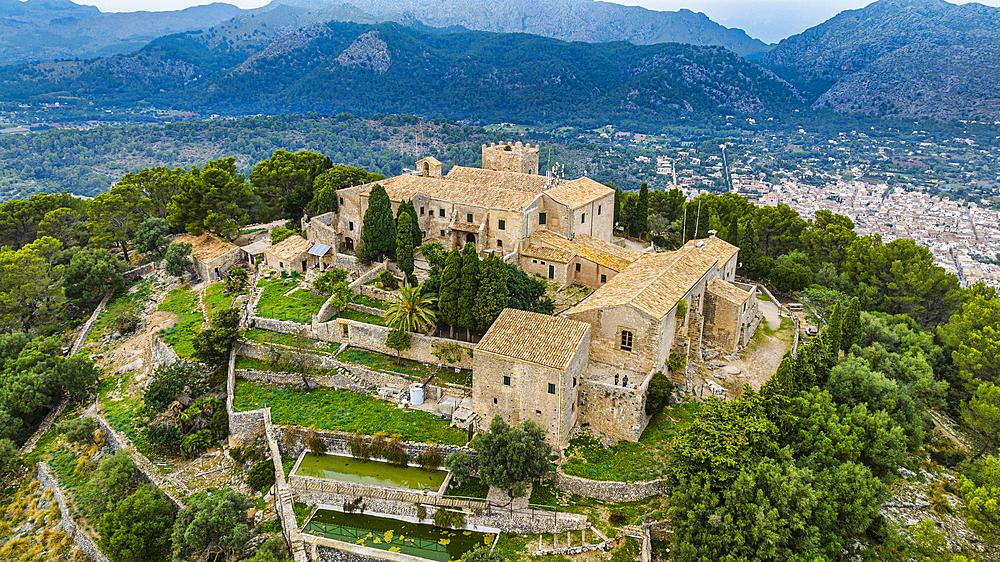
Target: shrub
x=448 y=519
x=395 y=453
x=435 y=254
x=676 y=362
x=196 y=443
x=79 y=430
x=219 y=424
x=261 y=475
x=421 y=512
x=658 y=396
x=460 y=464
x=280 y=233
x=359 y=447
x=126 y=321
x=616 y=518
x=357 y=504
x=139 y=527
x=325 y=283
x=316 y=446
x=164 y=436
x=169 y=381
x=388 y=281
x=237 y=279
x=430 y=460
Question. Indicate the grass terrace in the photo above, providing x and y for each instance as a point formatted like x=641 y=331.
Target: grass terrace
x=370 y=302
x=296 y=307
x=217 y=299
x=184 y=303
x=265 y=336
x=470 y=488
x=410 y=370
x=121 y=303
x=358 y=316
x=342 y=410
x=626 y=461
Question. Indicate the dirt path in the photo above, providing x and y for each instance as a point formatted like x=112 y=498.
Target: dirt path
x=761 y=359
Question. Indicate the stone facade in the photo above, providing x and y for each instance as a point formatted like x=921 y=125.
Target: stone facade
x=211 y=256
x=506 y=157
x=614 y=410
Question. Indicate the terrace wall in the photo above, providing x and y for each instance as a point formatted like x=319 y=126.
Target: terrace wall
x=80 y=538
x=615 y=492
x=292 y=441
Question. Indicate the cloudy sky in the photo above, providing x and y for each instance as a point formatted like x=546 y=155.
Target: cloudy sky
x=768 y=20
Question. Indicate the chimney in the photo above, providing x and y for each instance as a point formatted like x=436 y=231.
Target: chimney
x=712 y=233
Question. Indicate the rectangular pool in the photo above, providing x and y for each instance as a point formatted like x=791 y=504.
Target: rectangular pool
x=374 y=473
x=415 y=539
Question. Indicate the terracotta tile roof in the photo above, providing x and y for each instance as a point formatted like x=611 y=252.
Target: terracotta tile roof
x=504 y=180
x=289 y=248
x=586 y=246
x=579 y=192
x=547 y=253
x=405 y=187
x=546 y=340
x=207 y=247
x=655 y=283
x=727 y=291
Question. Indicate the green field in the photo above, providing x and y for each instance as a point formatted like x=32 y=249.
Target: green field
x=184 y=303
x=297 y=307
x=342 y=410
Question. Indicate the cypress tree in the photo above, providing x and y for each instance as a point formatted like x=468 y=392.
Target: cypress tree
x=748 y=247
x=493 y=294
x=448 y=295
x=834 y=330
x=850 y=331
x=404 y=244
x=378 y=229
x=469 y=288
x=642 y=212
x=733 y=232
x=418 y=235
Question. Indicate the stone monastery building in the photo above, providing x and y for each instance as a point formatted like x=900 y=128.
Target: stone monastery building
x=592 y=363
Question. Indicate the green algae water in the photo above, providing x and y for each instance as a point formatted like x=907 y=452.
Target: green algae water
x=415 y=539
x=374 y=473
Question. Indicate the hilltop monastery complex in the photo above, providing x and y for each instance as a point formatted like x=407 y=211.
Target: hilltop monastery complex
x=591 y=364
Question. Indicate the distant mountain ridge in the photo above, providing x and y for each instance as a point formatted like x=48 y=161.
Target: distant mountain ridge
x=44 y=30
x=391 y=68
x=907 y=58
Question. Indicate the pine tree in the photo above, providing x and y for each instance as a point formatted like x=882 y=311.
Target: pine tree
x=493 y=294
x=748 y=248
x=642 y=212
x=451 y=286
x=378 y=229
x=817 y=360
x=834 y=330
x=469 y=288
x=850 y=331
x=733 y=231
x=404 y=244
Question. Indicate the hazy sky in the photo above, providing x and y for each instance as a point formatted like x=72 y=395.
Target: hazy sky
x=768 y=20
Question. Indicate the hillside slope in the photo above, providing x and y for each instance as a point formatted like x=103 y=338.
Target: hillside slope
x=909 y=58
x=390 y=68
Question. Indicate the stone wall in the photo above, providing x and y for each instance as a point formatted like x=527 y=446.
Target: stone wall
x=244 y=427
x=366 y=309
x=80 y=538
x=376 y=293
x=280 y=326
x=139 y=272
x=150 y=473
x=364 y=378
x=372 y=337
x=295 y=379
x=613 y=410
x=292 y=441
x=614 y=492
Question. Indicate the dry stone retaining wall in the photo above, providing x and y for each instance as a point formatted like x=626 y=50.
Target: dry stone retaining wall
x=80 y=538
x=366 y=309
x=364 y=377
x=149 y=472
x=292 y=441
x=614 y=492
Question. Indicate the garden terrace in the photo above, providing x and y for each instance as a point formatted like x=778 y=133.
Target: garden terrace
x=184 y=303
x=216 y=298
x=627 y=461
x=371 y=473
x=405 y=368
x=343 y=410
x=276 y=302
x=358 y=316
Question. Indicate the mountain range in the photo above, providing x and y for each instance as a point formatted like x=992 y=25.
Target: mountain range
x=46 y=30
x=392 y=68
x=904 y=58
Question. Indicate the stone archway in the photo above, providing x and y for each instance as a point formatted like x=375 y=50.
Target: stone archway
x=470 y=238
x=349 y=244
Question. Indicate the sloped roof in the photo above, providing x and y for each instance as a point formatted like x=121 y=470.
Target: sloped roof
x=546 y=340
x=289 y=248
x=257 y=247
x=727 y=291
x=547 y=253
x=400 y=188
x=504 y=180
x=579 y=192
x=594 y=249
x=655 y=283
x=207 y=247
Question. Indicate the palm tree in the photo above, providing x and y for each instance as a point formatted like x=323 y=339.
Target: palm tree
x=411 y=312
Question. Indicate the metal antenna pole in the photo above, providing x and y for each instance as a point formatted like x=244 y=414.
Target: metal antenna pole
x=697 y=220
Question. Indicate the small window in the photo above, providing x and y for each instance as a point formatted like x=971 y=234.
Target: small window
x=494 y=400
x=541 y=218
x=341 y=200
x=346 y=333
x=281 y=265
x=421 y=211
x=534 y=261
x=539 y=412
x=442 y=233
x=468 y=217
x=598 y=210
x=583 y=218
x=604 y=278
x=499 y=243
x=441 y=212
x=552 y=388
x=626 y=340
x=552 y=272
x=574 y=382
x=578 y=267
x=506 y=380
x=350 y=225
x=502 y=225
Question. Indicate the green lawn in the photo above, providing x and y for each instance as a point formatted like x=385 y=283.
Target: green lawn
x=342 y=410
x=217 y=299
x=266 y=336
x=297 y=307
x=184 y=303
x=462 y=378
x=645 y=460
x=471 y=488
x=358 y=316
x=370 y=302
x=273 y=366
x=410 y=370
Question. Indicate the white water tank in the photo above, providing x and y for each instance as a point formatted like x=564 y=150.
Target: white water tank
x=416 y=394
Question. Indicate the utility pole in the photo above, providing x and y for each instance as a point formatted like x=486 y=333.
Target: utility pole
x=697 y=221
x=684 y=228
